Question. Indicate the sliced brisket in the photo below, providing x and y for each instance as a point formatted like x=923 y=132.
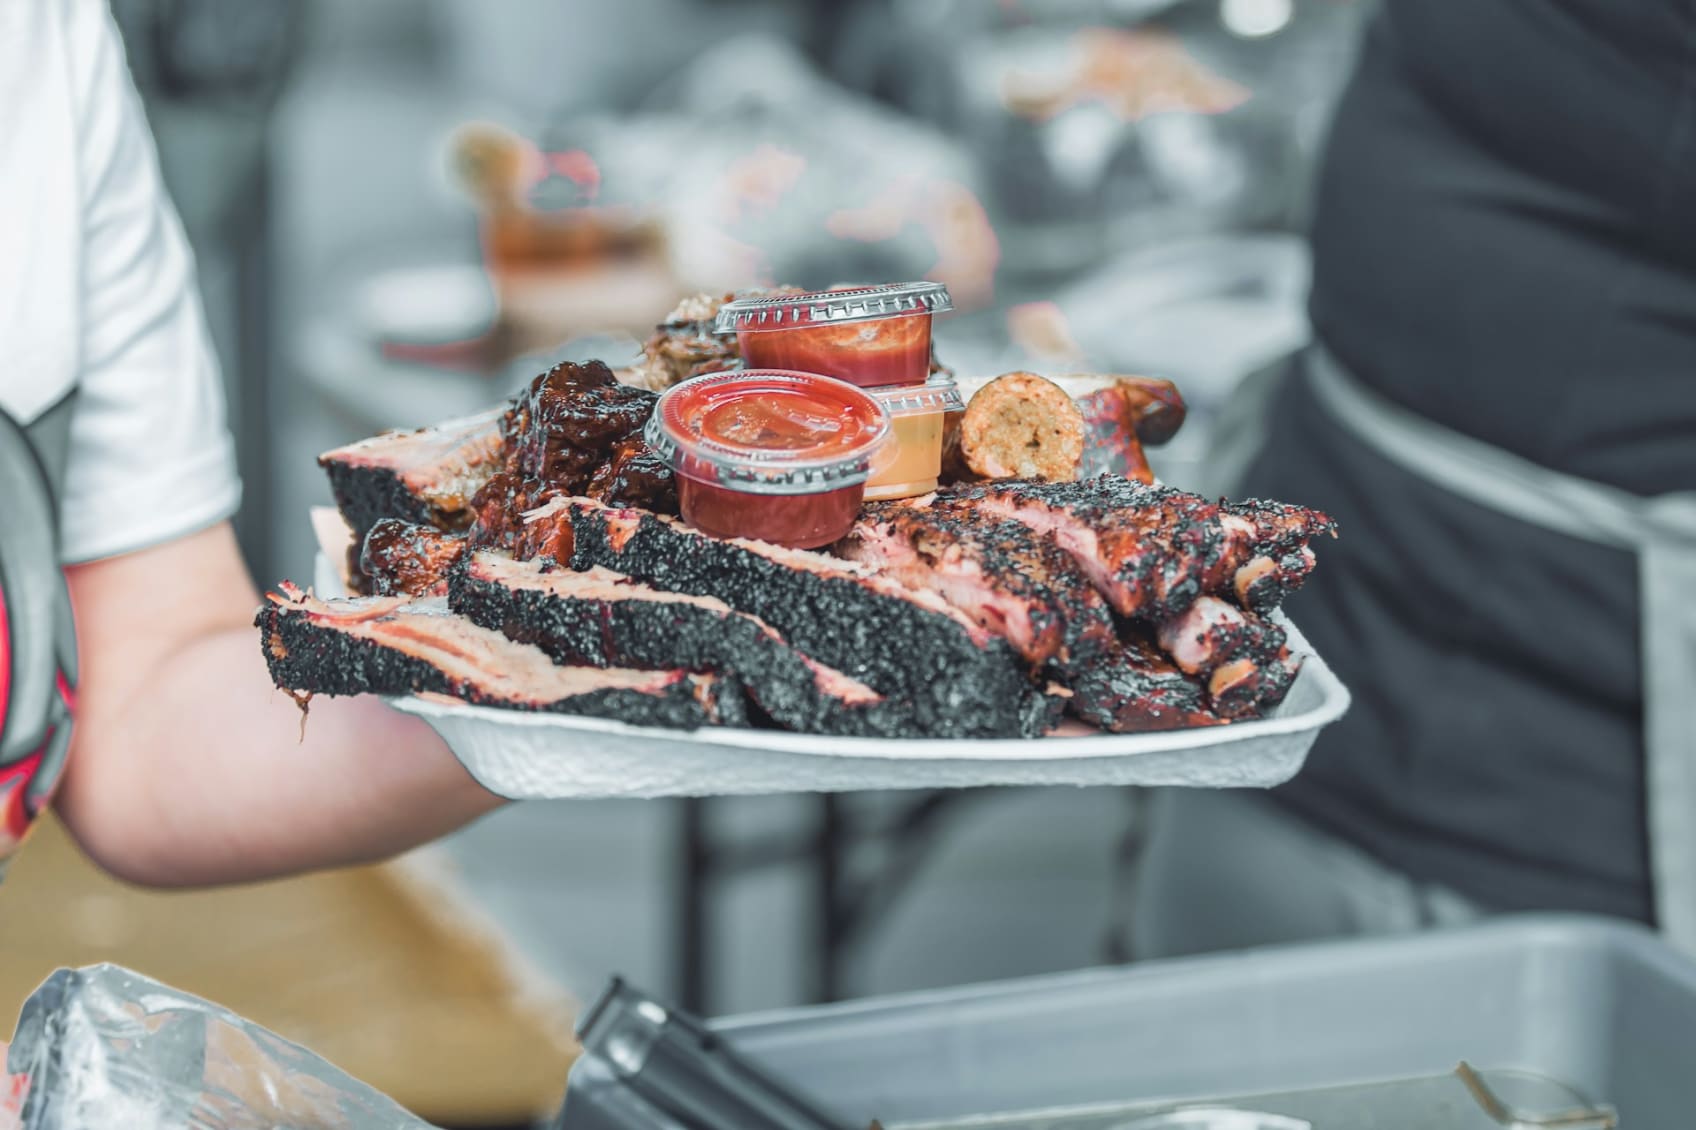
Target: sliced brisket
x=607 y=620
x=428 y=476
x=1010 y=581
x=396 y=646
x=909 y=645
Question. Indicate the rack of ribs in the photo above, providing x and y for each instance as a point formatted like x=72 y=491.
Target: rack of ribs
x=1153 y=550
x=908 y=644
x=1010 y=581
x=604 y=619
x=398 y=646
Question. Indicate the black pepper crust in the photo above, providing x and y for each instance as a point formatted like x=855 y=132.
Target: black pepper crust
x=1255 y=691
x=1063 y=605
x=1134 y=689
x=1159 y=544
x=1280 y=527
x=368 y=493
x=309 y=657
x=1270 y=589
x=650 y=635
x=954 y=685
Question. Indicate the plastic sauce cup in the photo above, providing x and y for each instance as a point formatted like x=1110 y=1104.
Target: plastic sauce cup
x=867 y=336
x=778 y=456
x=910 y=464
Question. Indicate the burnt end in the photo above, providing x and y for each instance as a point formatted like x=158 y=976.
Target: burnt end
x=954 y=685
x=1134 y=689
x=402 y=558
x=650 y=635
x=634 y=475
x=568 y=420
x=573 y=429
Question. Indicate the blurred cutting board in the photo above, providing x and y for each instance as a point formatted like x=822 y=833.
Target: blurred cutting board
x=381 y=970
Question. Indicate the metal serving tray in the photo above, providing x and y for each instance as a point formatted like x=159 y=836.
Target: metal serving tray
x=1559 y=1014
x=520 y=755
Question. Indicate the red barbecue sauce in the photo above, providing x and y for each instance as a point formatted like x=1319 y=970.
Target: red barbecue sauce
x=746 y=445
x=886 y=351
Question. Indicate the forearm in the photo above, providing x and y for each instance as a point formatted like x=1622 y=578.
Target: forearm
x=205 y=774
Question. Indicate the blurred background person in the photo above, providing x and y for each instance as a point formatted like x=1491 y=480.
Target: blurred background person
x=1501 y=415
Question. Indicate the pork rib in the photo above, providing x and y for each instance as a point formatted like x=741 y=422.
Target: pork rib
x=394 y=646
x=604 y=619
x=1266 y=555
x=1242 y=657
x=1010 y=581
x=1152 y=549
x=907 y=644
x=1134 y=689
x=1147 y=548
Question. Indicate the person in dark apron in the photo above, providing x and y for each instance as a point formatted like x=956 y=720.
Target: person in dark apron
x=1500 y=413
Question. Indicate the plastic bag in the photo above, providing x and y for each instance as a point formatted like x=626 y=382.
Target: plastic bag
x=103 y=1047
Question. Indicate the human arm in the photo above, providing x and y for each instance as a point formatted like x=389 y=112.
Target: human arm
x=189 y=767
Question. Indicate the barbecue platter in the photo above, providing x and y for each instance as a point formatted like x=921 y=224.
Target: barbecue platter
x=566 y=555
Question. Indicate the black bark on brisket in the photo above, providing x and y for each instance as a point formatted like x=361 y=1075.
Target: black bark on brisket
x=390 y=646
x=1134 y=689
x=608 y=621
x=428 y=476
x=1004 y=576
x=907 y=645
x=403 y=558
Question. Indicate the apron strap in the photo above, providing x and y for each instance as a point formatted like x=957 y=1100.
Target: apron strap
x=1662 y=532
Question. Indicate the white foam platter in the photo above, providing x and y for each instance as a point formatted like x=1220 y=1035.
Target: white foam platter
x=523 y=755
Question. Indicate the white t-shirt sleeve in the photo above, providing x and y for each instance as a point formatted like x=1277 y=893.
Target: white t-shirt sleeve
x=150 y=458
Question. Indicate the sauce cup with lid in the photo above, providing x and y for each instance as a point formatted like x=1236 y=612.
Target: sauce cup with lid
x=867 y=336
x=774 y=455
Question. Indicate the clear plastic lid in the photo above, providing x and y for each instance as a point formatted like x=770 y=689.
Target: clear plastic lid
x=769 y=431
x=833 y=307
x=939 y=394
